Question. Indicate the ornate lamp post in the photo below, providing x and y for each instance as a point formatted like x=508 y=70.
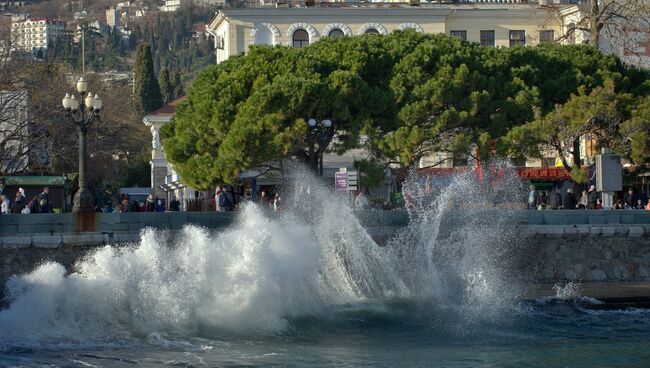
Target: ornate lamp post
x=318 y=133
x=82 y=112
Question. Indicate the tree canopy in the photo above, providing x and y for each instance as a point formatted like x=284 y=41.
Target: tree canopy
x=409 y=93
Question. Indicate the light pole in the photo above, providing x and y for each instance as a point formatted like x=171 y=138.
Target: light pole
x=82 y=112
x=318 y=133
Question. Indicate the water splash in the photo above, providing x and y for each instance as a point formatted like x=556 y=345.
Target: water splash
x=569 y=291
x=264 y=271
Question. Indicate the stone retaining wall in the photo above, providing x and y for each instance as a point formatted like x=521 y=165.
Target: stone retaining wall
x=555 y=245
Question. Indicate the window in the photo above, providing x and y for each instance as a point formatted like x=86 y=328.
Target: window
x=460 y=34
x=517 y=38
x=336 y=33
x=487 y=38
x=371 y=31
x=546 y=36
x=300 y=38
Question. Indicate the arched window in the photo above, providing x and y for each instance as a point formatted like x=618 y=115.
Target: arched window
x=264 y=36
x=336 y=33
x=300 y=38
x=372 y=31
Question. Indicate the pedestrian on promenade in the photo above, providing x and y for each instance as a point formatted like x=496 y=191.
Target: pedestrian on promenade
x=592 y=198
x=150 y=205
x=4 y=204
x=619 y=204
x=570 y=202
x=22 y=193
x=533 y=198
x=45 y=195
x=224 y=201
x=599 y=204
x=264 y=198
x=18 y=206
x=642 y=197
x=34 y=205
x=543 y=200
x=119 y=208
x=125 y=203
x=584 y=200
x=276 y=202
x=175 y=205
x=217 y=191
x=629 y=199
x=555 y=199
x=159 y=206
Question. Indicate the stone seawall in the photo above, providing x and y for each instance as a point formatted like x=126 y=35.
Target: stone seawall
x=552 y=245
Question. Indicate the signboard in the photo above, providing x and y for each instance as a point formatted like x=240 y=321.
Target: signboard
x=352 y=181
x=34 y=180
x=341 y=181
x=609 y=173
x=544 y=173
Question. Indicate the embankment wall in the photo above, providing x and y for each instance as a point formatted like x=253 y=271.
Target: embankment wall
x=552 y=245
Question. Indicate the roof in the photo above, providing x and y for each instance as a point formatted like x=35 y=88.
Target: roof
x=167 y=109
x=47 y=20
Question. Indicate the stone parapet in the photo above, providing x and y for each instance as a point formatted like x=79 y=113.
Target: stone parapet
x=18 y=224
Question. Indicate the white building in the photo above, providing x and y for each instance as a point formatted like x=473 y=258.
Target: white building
x=164 y=179
x=494 y=24
x=170 y=5
x=35 y=34
x=113 y=18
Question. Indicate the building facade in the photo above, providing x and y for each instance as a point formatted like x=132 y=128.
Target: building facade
x=35 y=34
x=498 y=24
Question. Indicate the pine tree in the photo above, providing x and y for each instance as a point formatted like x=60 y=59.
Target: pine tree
x=146 y=90
x=166 y=88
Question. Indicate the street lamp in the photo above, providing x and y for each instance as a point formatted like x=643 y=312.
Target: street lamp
x=82 y=112
x=318 y=133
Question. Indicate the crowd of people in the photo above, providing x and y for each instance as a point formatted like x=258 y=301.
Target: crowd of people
x=589 y=199
x=21 y=204
x=151 y=204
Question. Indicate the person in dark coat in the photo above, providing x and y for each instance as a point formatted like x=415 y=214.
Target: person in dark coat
x=18 y=206
x=555 y=199
x=570 y=201
x=175 y=204
x=629 y=199
x=150 y=204
x=45 y=195
x=592 y=198
x=34 y=205
x=533 y=198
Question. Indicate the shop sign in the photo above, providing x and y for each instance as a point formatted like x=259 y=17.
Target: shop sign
x=34 y=180
x=544 y=173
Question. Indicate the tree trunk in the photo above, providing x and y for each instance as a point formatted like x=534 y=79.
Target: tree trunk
x=577 y=161
x=594 y=19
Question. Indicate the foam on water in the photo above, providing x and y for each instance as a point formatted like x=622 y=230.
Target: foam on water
x=264 y=271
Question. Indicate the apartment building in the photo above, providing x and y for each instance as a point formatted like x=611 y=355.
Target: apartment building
x=35 y=33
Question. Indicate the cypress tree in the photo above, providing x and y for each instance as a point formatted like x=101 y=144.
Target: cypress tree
x=146 y=90
x=166 y=88
x=178 y=85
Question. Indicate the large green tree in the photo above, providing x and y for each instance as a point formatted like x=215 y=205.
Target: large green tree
x=147 y=95
x=409 y=93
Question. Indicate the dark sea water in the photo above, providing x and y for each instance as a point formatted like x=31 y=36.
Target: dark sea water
x=549 y=332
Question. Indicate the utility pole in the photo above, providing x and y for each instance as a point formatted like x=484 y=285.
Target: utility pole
x=83 y=51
